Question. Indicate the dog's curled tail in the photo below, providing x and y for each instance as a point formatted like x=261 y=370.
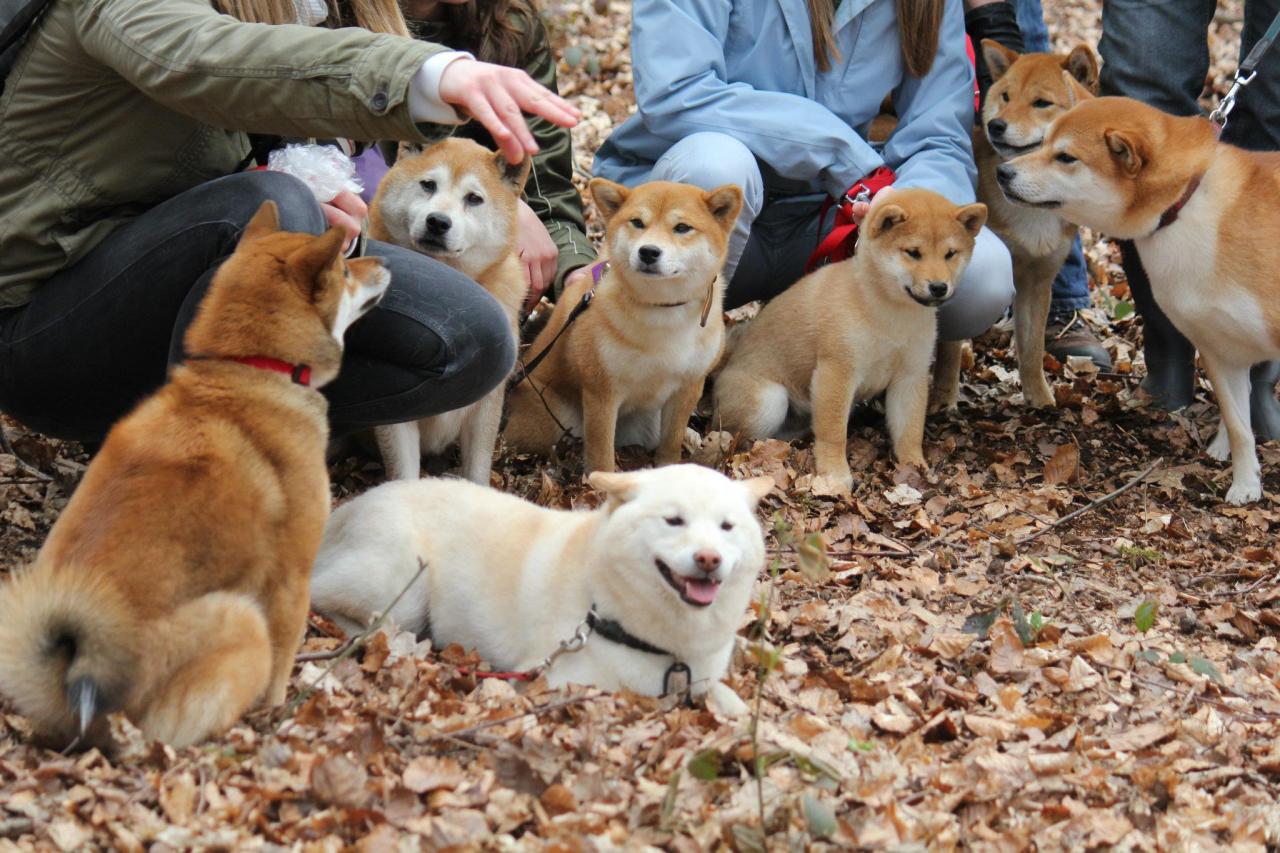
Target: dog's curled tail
x=67 y=652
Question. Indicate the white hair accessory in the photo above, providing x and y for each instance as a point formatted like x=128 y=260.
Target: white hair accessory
x=310 y=12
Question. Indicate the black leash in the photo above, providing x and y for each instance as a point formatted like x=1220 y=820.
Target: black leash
x=678 y=676
x=597 y=272
x=1244 y=75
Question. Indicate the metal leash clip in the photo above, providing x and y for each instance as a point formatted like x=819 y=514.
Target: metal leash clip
x=573 y=644
x=1219 y=116
x=863 y=195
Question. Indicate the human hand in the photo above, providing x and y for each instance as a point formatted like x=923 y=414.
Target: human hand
x=346 y=211
x=538 y=253
x=860 y=209
x=498 y=97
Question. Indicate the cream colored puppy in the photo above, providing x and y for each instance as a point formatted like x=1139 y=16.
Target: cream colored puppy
x=852 y=329
x=669 y=562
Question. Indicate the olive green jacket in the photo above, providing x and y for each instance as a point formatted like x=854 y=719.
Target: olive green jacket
x=550 y=191
x=117 y=105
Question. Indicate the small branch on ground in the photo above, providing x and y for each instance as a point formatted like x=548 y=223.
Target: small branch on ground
x=536 y=711
x=1105 y=499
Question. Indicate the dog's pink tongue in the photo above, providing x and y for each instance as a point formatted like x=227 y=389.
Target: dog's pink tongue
x=703 y=592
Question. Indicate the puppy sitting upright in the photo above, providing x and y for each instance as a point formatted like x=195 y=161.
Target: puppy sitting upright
x=665 y=568
x=1203 y=216
x=1029 y=92
x=174 y=586
x=852 y=329
x=455 y=201
x=631 y=368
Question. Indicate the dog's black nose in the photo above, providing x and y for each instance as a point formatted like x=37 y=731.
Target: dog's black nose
x=438 y=223
x=1005 y=174
x=937 y=289
x=996 y=128
x=649 y=254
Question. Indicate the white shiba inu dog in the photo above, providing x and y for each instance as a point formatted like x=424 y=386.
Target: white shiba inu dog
x=666 y=566
x=630 y=369
x=1121 y=167
x=1029 y=92
x=455 y=201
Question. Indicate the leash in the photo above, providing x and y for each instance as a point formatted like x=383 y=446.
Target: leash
x=1244 y=76
x=841 y=243
x=597 y=273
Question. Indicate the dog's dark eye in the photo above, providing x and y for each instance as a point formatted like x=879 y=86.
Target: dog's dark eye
x=682 y=228
x=473 y=199
x=1064 y=157
x=429 y=186
x=637 y=223
x=674 y=521
x=1041 y=103
x=914 y=254
x=951 y=253
x=726 y=525
x=1004 y=96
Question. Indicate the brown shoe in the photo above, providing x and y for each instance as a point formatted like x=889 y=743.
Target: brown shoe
x=1072 y=336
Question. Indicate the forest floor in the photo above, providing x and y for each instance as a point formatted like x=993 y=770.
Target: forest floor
x=973 y=668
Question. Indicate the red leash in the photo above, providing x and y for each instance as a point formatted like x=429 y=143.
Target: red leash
x=840 y=243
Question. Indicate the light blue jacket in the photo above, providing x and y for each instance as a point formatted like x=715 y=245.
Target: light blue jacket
x=746 y=68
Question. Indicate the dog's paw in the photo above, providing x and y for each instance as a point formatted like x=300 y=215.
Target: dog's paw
x=833 y=485
x=1039 y=395
x=1220 y=447
x=722 y=700
x=1244 y=491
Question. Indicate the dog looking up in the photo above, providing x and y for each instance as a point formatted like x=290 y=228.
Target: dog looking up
x=174 y=586
x=668 y=562
x=852 y=329
x=630 y=369
x=1029 y=92
x=456 y=202
x=1203 y=216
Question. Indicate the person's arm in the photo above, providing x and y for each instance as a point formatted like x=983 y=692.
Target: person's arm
x=677 y=49
x=550 y=191
x=931 y=146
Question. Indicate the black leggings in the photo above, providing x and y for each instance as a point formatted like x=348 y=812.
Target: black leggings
x=98 y=336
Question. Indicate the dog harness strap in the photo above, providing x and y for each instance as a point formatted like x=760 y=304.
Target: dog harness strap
x=843 y=239
x=299 y=373
x=1170 y=216
x=597 y=273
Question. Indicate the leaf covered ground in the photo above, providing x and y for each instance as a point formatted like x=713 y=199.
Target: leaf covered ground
x=971 y=670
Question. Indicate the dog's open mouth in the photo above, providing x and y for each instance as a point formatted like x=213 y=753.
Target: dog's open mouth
x=694 y=591
x=1017 y=199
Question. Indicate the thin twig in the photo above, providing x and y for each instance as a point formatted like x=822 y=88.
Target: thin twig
x=1230 y=593
x=1105 y=499
x=329 y=655
x=1254 y=717
x=6 y=447
x=536 y=711
x=350 y=647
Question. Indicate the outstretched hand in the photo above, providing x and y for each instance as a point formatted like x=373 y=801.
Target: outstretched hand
x=498 y=97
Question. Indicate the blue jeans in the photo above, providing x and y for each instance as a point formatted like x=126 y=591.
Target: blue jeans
x=1071 y=287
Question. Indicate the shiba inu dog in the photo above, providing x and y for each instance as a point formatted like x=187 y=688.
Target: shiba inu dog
x=630 y=369
x=1135 y=173
x=852 y=329
x=174 y=587
x=1029 y=92
x=455 y=201
x=668 y=563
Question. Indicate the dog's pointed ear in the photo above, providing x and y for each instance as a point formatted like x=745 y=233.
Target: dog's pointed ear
x=514 y=176
x=972 y=217
x=1076 y=93
x=1082 y=64
x=758 y=487
x=884 y=217
x=1127 y=150
x=725 y=203
x=998 y=57
x=265 y=221
x=317 y=255
x=410 y=149
x=618 y=486
x=608 y=196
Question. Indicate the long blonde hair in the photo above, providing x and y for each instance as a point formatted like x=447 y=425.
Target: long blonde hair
x=919 y=22
x=380 y=16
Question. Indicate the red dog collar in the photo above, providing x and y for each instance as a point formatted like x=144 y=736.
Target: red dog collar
x=1170 y=216
x=299 y=373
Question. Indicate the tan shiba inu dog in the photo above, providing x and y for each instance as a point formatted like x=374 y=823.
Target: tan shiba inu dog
x=1029 y=92
x=455 y=201
x=631 y=368
x=1135 y=173
x=667 y=563
x=174 y=587
x=852 y=329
